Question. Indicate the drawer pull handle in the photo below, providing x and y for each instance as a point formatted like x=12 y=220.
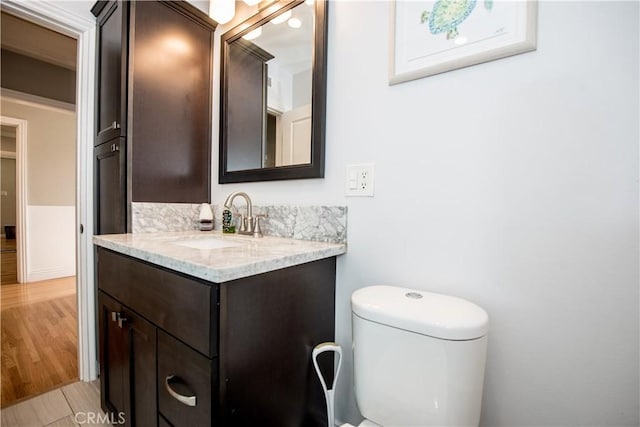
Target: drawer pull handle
x=119 y=318
x=186 y=400
x=122 y=321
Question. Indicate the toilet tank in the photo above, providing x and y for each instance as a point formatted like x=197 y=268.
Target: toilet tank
x=419 y=357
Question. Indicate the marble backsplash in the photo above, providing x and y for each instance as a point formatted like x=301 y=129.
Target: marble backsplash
x=316 y=223
x=156 y=217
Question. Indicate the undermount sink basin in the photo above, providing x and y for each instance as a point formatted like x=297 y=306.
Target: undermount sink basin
x=207 y=243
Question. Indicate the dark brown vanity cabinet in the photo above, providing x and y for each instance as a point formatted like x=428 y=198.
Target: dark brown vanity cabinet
x=127 y=381
x=177 y=350
x=110 y=172
x=153 y=98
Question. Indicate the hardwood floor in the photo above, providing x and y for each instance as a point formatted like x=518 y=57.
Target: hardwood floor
x=8 y=262
x=39 y=338
x=8 y=244
x=71 y=405
x=18 y=295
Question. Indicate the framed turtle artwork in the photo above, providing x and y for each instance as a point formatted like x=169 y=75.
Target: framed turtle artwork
x=431 y=37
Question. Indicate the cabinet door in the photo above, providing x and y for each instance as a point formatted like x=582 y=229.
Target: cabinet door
x=170 y=110
x=127 y=364
x=111 y=85
x=143 y=342
x=115 y=366
x=110 y=184
x=269 y=325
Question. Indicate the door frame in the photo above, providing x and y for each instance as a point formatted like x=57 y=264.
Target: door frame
x=21 y=193
x=49 y=15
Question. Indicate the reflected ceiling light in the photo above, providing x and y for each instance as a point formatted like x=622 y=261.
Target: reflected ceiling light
x=281 y=18
x=253 y=34
x=308 y=2
x=177 y=45
x=252 y=2
x=222 y=11
x=295 y=23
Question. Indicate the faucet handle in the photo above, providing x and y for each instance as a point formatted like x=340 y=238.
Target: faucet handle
x=242 y=223
x=257 y=231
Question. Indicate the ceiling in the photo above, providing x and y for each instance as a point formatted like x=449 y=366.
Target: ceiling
x=292 y=47
x=28 y=39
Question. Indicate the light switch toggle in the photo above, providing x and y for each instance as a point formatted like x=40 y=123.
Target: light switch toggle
x=353 y=180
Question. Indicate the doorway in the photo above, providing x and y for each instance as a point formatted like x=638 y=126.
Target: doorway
x=39 y=315
x=54 y=17
x=8 y=247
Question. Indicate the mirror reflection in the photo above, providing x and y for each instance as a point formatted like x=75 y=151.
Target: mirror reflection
x=269 y=92
x=289 y=37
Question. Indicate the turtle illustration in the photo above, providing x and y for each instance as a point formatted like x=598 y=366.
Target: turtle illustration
x=447 y=15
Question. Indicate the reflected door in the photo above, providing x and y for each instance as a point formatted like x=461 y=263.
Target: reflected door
x=296 y=136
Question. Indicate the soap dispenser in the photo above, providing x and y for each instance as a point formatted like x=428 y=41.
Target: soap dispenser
x=227 y=222
x=206 y=217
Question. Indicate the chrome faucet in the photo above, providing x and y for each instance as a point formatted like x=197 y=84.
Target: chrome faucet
x=248 y=225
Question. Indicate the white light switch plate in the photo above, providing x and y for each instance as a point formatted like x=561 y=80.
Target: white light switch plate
x=359 y=180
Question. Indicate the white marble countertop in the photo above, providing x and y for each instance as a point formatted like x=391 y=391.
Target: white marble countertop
x=249 y=256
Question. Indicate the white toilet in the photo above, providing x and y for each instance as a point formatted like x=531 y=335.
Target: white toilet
x=419 y=358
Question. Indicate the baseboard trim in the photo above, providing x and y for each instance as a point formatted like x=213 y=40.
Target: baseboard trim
x=51 y=273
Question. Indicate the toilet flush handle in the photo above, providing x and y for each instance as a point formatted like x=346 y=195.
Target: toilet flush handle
x=328 y=393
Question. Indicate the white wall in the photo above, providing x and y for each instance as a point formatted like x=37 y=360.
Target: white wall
x=51 y=151
x=51 y=244
x=51 y=188
x=512 y=184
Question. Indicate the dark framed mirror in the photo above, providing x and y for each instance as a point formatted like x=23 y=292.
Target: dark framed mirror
x=273 y=94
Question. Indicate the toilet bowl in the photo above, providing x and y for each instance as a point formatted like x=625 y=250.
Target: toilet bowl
x=364 y=423
x=419 y=358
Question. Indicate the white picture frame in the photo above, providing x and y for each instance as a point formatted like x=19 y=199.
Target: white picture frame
x=432 y=37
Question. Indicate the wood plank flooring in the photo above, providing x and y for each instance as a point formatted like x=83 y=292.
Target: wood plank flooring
x=19 y=295
x=8 y=244
x=71 y=405
x=8 y=262
x=39 y=338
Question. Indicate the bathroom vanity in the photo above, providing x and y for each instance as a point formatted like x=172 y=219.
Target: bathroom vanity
x=208 y=329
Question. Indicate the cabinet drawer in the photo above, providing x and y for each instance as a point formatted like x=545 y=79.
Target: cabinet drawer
x=185 y=307
x=185 y=375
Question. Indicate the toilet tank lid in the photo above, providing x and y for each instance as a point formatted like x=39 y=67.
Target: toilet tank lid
x=426 y=313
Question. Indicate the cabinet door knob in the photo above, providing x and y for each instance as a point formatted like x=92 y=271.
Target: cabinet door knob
x=115 y=316
x=115 y=147
x=115 y=125
x=185 y=400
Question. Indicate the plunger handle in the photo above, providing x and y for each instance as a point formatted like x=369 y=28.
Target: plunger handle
x=328 y=393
